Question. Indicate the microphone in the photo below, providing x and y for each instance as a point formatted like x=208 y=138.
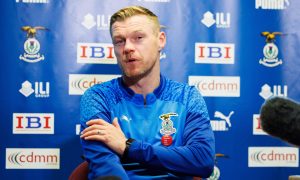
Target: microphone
x=280 y=117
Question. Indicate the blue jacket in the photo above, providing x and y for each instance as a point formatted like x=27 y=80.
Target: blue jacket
x=173 y=109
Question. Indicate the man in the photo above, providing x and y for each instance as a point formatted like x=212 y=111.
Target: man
x=159 y=127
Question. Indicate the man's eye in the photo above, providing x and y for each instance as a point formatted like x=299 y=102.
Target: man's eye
x=139 y=37
x=119 y=42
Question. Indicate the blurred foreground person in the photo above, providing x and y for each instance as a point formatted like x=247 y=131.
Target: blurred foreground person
x=280 y=117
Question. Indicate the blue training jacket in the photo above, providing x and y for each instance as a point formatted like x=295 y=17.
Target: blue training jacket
x=173 y=109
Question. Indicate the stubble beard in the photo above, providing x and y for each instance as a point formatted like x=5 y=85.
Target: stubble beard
x=137 y=75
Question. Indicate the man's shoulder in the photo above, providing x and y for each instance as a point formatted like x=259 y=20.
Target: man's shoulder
x=173 y=85
x=110 y=86
x=107 y=91
x=177 y=91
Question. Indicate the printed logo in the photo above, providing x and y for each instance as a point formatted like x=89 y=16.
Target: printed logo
x=214 y=53
x=273 y=157
x=32 y=45
x=167 y=124
x=32 y=1
x=272 y=4
x=216 y=86
x=99 y=53
x=215 y=174
x=33 y=123
x=101 y=21
x=125 y=118
x=270 y=51
x=32 y=158
x=257 y=129
x=79 y=83
x=96 y=53
x=278 y=90
x=222 y=20
x=41 y=89
x=223 y=124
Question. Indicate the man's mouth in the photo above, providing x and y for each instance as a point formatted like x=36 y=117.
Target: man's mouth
x=131 y=60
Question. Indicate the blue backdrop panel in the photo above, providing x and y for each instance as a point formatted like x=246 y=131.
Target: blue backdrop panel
x=53 y=50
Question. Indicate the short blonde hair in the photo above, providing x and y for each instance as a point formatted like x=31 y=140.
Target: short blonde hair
x=127 y=12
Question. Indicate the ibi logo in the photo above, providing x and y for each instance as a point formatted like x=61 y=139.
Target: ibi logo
x=96 y=53
x=33 y=123
x=257 y=129
x=41 y=89
x=214 y=53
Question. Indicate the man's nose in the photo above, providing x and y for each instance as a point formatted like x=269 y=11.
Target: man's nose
x=129 y=47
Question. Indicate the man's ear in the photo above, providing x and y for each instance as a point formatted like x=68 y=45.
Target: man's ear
x=162 y=40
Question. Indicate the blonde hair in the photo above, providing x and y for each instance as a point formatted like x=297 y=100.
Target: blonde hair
x=130 y=11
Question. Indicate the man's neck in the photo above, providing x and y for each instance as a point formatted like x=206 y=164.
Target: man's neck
x=144 y=85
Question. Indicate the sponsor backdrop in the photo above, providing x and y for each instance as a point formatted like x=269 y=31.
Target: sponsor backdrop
x=237 y=53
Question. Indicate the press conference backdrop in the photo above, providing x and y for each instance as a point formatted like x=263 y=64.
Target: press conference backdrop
x=237 y=53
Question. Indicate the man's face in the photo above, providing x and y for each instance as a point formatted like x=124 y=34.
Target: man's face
x=137 y=45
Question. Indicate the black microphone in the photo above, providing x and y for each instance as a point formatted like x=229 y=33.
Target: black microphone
x=280 y=117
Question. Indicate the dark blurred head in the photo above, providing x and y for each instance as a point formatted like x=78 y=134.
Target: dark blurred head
x=280 y=117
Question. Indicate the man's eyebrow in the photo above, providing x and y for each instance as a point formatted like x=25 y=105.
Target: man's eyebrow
x=134 y=32
x=138 y=31
x=117 y=36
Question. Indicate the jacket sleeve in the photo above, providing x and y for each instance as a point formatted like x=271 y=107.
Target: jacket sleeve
x=195 y=157
x=102 y=161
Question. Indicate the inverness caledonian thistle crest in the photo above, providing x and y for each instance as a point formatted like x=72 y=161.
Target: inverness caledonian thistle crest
x=167 y=124
x=167 y=128
x=32 y=45
x=216 y=173
x=270 y=50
